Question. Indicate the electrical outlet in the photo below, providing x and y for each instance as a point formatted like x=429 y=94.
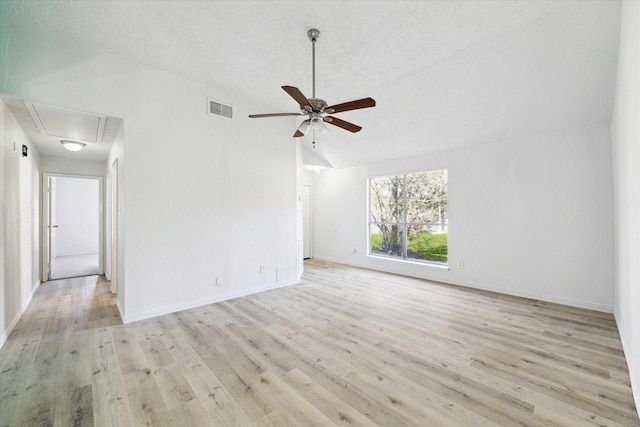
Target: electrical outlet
x=218 y=281
x=460 y=264
x=262 y=269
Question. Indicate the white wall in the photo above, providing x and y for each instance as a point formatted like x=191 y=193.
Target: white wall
x=205 y=197
x=19 y=222
x=77 y=216
x=625 y=132
x=529 y=217
x=65 y=165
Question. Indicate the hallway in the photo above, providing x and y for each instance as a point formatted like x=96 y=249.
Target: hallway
x=47 y=358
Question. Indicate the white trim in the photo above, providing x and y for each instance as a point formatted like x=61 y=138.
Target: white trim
x=120 y=310
x=427 y=264
x=571 y=302
x=45 y=219
x=535 y=296
x=392 y=261
x=204 y=301
x=5 y=334
x=631 y=367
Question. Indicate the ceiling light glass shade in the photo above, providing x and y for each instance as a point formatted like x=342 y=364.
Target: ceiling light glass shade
x=323 y=129
x=304 y=126
x=73 y=145
x=317 y=124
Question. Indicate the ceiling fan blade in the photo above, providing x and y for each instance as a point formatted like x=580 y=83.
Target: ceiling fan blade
x=343 y=124
x=295 y=93
x=352 y=105
x=298 y=134
x=258 y=116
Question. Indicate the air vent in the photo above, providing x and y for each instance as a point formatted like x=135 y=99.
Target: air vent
x=220 y=109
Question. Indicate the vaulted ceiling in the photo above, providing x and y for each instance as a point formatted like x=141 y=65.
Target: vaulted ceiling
x=444 y=73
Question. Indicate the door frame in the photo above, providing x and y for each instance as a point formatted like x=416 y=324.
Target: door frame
x=111 y=240
x=46 y=215
x=307 y=216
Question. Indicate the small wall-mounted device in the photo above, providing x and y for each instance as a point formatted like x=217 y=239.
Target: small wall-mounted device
x=25 y=150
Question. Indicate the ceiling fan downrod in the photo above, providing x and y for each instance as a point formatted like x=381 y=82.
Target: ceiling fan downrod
x=313 y=36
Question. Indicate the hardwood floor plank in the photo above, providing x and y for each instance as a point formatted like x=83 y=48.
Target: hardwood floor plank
x=111 y=404
x=35 y=406
x=78 y=408
x=145 y=400
x=346 y=346
x=220 y=407
x=128 y=348
x=620 y=414
x=329 y=404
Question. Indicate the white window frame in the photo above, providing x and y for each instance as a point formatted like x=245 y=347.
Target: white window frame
x=404 y=224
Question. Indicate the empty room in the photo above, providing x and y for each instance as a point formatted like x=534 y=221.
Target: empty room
x=296 y=213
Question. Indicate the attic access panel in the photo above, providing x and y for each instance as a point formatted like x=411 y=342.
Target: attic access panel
x=65 y=123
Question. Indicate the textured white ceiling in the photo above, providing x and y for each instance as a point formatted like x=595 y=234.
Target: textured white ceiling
x=444 y=73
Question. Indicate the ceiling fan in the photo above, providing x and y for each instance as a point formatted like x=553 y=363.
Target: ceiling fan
x=317 y=110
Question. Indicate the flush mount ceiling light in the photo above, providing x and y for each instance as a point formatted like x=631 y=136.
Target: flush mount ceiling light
x=73 y=145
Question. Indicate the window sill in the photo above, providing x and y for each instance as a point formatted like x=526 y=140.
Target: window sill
x=432 y=265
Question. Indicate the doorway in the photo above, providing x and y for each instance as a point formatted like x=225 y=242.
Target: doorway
x=73 y=226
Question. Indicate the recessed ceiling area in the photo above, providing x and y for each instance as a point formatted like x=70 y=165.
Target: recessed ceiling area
x=68 y=124
x=46 y=125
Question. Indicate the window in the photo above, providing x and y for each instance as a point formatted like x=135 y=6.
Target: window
x=408 y=216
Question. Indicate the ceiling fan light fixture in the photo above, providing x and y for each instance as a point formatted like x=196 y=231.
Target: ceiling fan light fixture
x=316 y=123
x=322 y=129
x=304 y=126
x=73 y=145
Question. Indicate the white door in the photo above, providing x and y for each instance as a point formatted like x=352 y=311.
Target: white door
x=307 y=242
x=53 y=225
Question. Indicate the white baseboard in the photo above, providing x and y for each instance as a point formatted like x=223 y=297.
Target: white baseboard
x=204 y=301
x=487 y=287
x=120 y=310
x=536 y=296
x=634 y=373
x=77 y=254
x=5 y=334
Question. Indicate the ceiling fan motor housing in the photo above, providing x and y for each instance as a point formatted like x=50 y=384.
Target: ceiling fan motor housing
x=318 y=106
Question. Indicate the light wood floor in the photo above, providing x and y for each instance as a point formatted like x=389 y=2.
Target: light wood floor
x=345 y=347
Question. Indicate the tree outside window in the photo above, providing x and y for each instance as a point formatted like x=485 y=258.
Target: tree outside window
x=408 y=216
